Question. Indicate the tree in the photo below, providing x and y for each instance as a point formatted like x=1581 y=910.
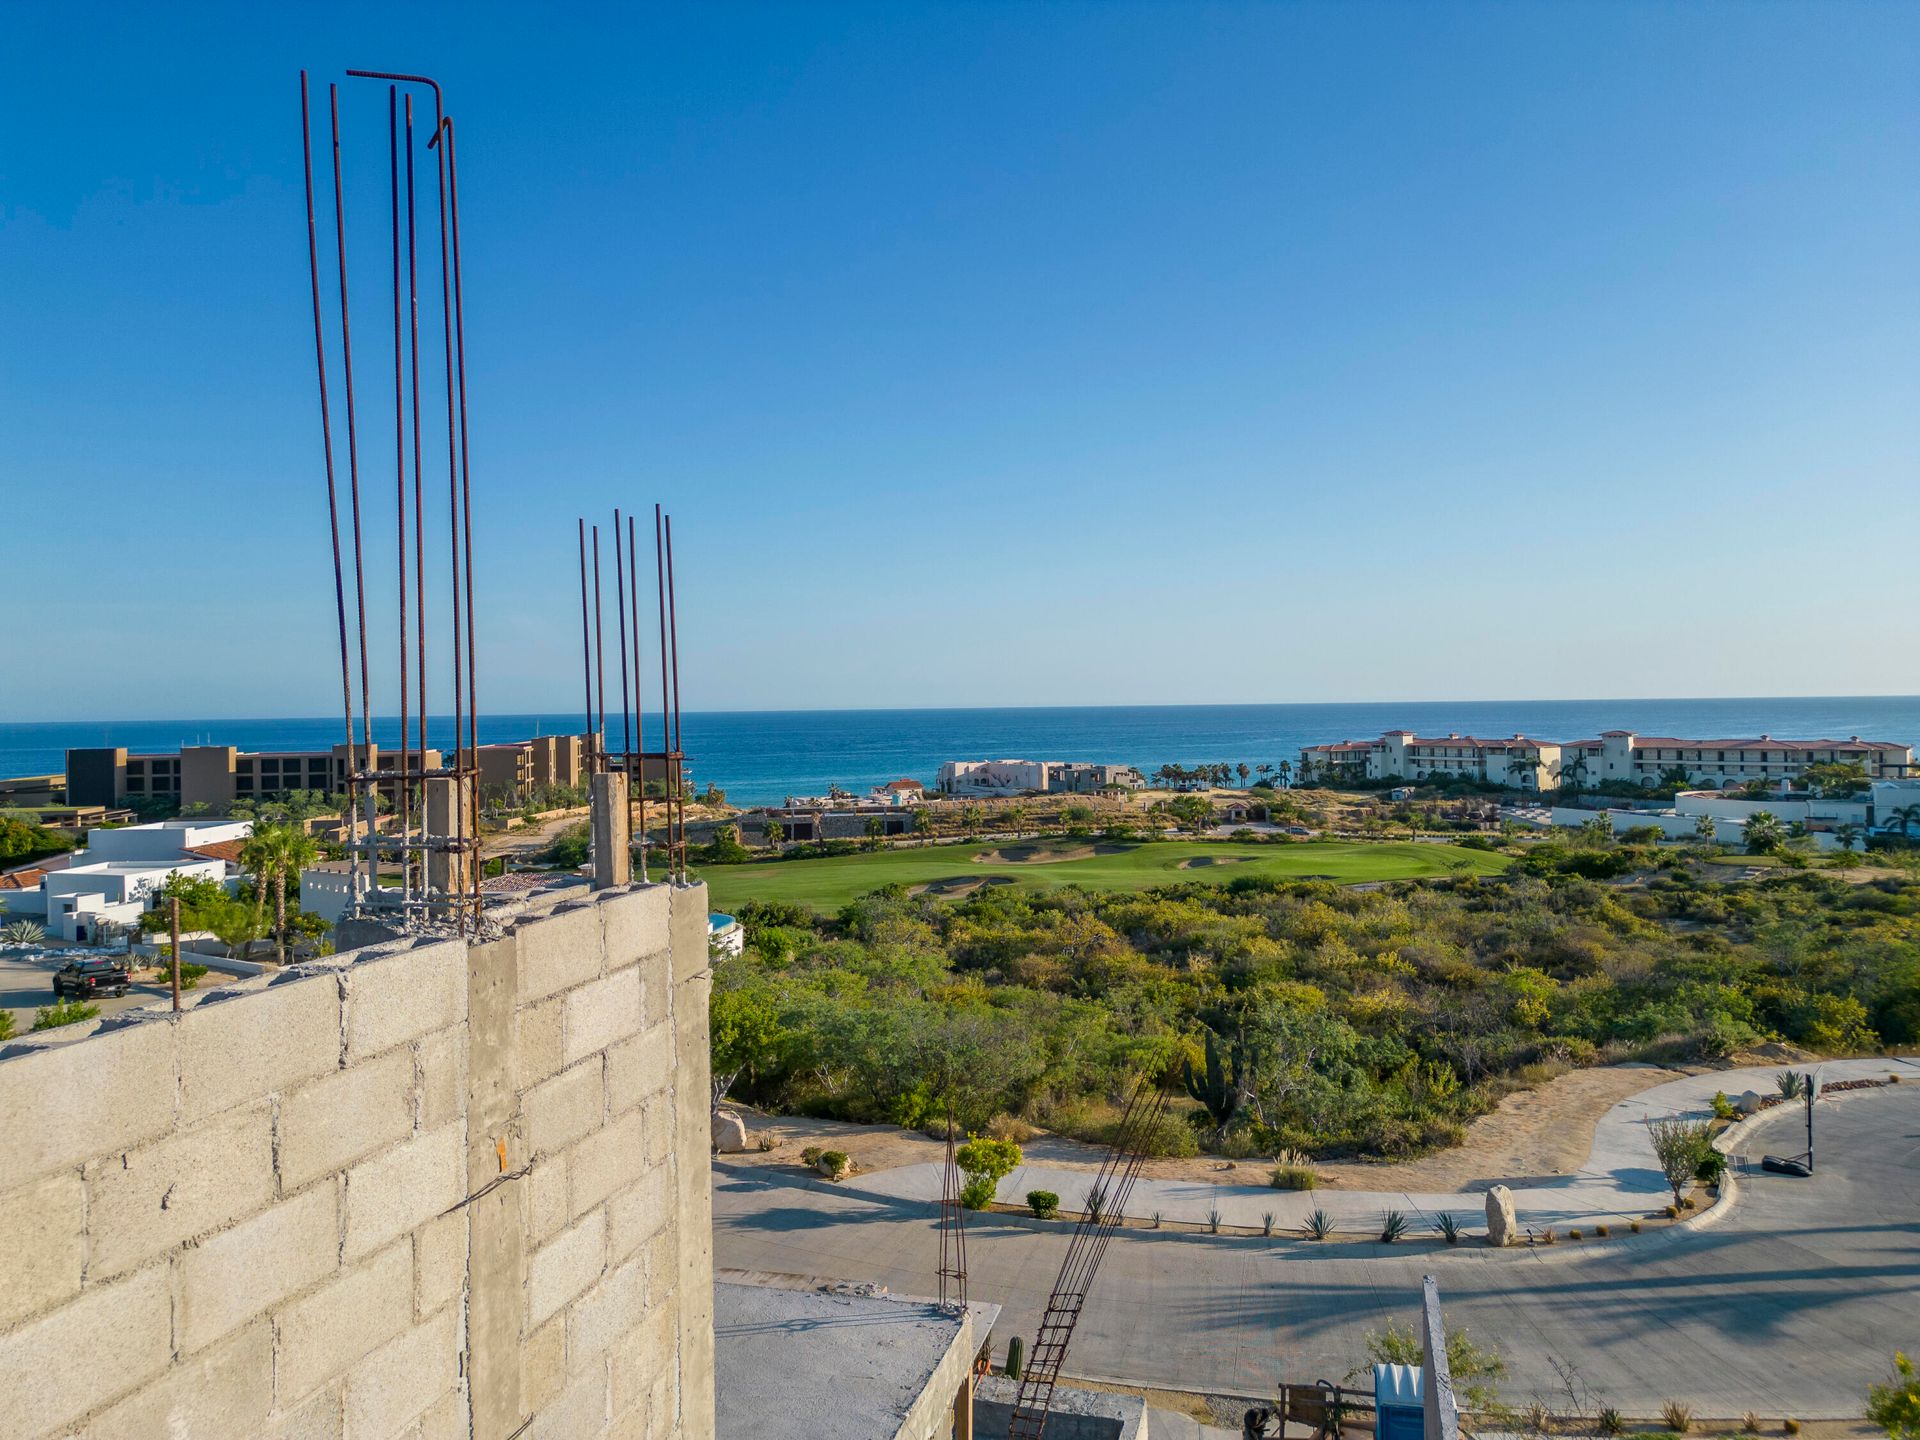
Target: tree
x=290 y=850
x=200 y=899
x=1476 y=1369
x=1848 y=835
x=1016 y=819
x=971 y=818
x=985 y=1163
x=776 y=832
x=1573 y=774
x=1837 y=779
x=923 y=821
x=1221 y=1089
x=876 y=828
x=1244 y=772
x=1895 y=1406
x=1522 y=769
x=746 y=1035
x=1764 y=834
x=1191 y=811
x=1703 y=828
x=1906 y=817
x=1679 y=1146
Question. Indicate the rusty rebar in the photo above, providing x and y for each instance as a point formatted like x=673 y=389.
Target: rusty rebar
x=586 y=637
x=353 y=482
x=599 y=663
x=626 y=716
x=419 y=496
x=639 y=707
x=679 y=750
x=668 y=766
x=466 y=512
x=405 y=796
x=326 y=436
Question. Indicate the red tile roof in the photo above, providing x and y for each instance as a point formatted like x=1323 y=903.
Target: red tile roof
x=21 y=879
x=227 y=850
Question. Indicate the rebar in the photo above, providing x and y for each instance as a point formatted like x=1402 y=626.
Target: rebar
x=639 y=708
x=666 y=703
x=599 y=664
x=419 y=496
x=626 y=716
x=586 y=635
x=405 y=796
x=679 y=751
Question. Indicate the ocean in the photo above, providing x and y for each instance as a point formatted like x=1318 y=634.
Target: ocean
x=762 y=756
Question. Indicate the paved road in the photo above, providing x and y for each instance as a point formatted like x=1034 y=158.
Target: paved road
x=27 y=985
x=1791 y=1305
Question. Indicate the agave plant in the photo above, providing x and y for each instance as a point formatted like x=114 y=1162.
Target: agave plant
x=22 y=932
x=1787 y=1082
x=1266 y=1223
x=1610 y=1421
x=1449 y=1227
x=1213 y=1220
x=1393 y=1224
x=1319 y=1225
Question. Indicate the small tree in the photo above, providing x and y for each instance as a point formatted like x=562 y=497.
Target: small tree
x=1895 y=1406
x=985 y=1163
x=1679 y=1146
x=1765 y=834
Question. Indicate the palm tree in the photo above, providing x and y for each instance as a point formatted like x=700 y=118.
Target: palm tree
x=1285 y=771
x=292 y=849
x=923 y=821
x=1244 y=772
x=1521 y=767
x=1573 y=774
x=1906 y=817
x=1848 y=835
x=257 y=855
x=1764 y=833
x=1703 y=828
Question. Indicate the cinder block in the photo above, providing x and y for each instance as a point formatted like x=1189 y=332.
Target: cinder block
x=316 y=1419
x=637 y=1213
x=42 y=1223
x=639 y=1067
x=68 y=1103
x=663 y=1264
x=225 y=1390
x=543 y=1364
x=229 y=1278
x=240 y=1049
x=602 y=1012
x=659 y=1128
x=687 y=923
x=336 y=1120
x=442 y=1062
x=404 y=1187
x=403 y=1378
x=398 y=998
x=663 y=1408
x=565 y=1266
x=439 y=1262
x=324 y=1333
x=146 y=1201
x=606 y=1313
x=547 y=1191
x=656 y=986
x=607 y=1160
x=579 y=1410
x=540 y=1044
x=559 y=951
x=642 y=1353
x=635 y=922
x=446 y=1419
x=132 y=1322
x=561 y=1110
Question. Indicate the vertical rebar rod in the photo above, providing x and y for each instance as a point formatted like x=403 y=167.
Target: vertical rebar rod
x=586 y=638
x=626 y=715
x=679 y=749
x=419 y=495
x=326 y=436
x=669 y=765
x=639 y=707
x=405 y=796
x=466 y=518
x=173 y=925
x=599 y=661
x=366 y=787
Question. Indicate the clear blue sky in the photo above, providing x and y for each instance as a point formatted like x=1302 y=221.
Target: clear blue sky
x=999 y=353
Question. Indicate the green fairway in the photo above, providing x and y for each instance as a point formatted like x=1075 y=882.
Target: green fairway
x=955 y=869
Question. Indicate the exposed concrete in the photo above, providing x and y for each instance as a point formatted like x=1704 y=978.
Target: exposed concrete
x=447 y=872
x=612 y=836
x=1074 y=1414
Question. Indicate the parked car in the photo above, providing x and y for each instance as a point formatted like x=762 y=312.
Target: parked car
x=88 y=979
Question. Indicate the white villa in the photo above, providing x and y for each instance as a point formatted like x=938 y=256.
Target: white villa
x=112 y=882
x=1531 y=764
x=1025 y=777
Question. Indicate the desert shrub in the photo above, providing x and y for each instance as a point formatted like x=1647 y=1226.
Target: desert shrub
x=1677 y=1416
x=1634 y=1226
x=1448 y=1227
x=811 y=1155
x=1895 y=1406
x=1213 y=1220
x=1722 y=1106
x=1318 y=1226
x=1266 y=1223
x=1045 y=1204
x=1574 y=1234
x=1477 y=1369
x=1712 y=1167
x=1011 y=1128
x=64 y=1012
x=1610 y=1421
x=1602 y=1231
x=1294 y=1177
x=833 y=1163
x=1393 y=1224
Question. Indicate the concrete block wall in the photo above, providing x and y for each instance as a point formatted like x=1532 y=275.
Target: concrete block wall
x=422 y=1189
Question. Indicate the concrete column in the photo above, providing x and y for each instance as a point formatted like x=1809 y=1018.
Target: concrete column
x=612 y=837
x=446 y=816
x=693 y=1143
x=963 y=1409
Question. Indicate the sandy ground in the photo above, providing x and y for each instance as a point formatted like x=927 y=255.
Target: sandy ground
x=1544 y=1131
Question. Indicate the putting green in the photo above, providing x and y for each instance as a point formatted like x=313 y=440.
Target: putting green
x=828 y=884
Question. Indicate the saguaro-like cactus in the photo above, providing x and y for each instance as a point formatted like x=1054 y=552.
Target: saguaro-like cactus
x=1016 y=1352
x=1219 y=1089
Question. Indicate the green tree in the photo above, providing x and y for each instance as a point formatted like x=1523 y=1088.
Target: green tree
x=1837 y=779
x=985 y=1163
x=876 y=828
x=746 y=1035
x=1193 y=812
x=1476 y=1369
x=1764 y=833
x=1679 y=1146
x=923 y=821
x=1848 y=835
x=1895 y=1406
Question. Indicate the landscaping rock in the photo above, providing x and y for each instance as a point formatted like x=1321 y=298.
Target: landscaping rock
x=1748 y=1103
x=1503 y=1226
x=729 y=1132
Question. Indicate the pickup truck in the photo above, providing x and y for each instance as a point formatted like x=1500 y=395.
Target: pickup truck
x=88 y=979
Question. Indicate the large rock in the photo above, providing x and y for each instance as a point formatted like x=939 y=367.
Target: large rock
x=1503 y=1226
x=729 y=1132
x=1749 y=1103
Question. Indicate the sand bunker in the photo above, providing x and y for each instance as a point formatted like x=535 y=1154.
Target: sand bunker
x=1198 y=862
x=956 y=887
x=1043 y=854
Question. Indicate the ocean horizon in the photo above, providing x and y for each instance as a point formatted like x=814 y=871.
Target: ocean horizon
x=765 y=755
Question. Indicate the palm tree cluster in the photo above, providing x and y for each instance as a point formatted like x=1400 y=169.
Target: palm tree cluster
x=1219 y=776
x=271 y=855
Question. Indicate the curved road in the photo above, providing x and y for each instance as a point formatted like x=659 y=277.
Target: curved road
x=1792 y=1304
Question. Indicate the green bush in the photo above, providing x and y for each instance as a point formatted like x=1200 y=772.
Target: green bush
x=1712 y=1166
x=1294 y=1177
x=1044 y=1204
x=1723 y=1107
x=977 y=1193
x=64 y=1012
x=833 y=1163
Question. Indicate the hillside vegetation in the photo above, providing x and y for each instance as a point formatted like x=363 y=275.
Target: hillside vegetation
x=1302 y=1013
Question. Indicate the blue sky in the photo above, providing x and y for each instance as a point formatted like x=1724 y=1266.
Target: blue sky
x=996 y=353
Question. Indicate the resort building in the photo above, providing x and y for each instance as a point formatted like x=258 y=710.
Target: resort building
x=218 y=775
x=113 y=880
x=1616 y=755
x=1023 y=777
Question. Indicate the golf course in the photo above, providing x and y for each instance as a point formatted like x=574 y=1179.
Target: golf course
x=957 y=870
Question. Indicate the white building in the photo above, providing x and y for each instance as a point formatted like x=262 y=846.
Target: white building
x=897 y=792
x=81 y=898
x=164 y=839
x=1616 y=755
x=1023 y=777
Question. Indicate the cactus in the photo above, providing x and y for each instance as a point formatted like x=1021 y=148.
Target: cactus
x=1219 y=1090
x=1015 y=1353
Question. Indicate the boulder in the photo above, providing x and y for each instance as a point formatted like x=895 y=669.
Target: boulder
x=1749 y=1103
x=1503 y=1226
x=729 y=1132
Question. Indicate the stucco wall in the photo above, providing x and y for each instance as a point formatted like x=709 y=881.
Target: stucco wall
x=423 y=1189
